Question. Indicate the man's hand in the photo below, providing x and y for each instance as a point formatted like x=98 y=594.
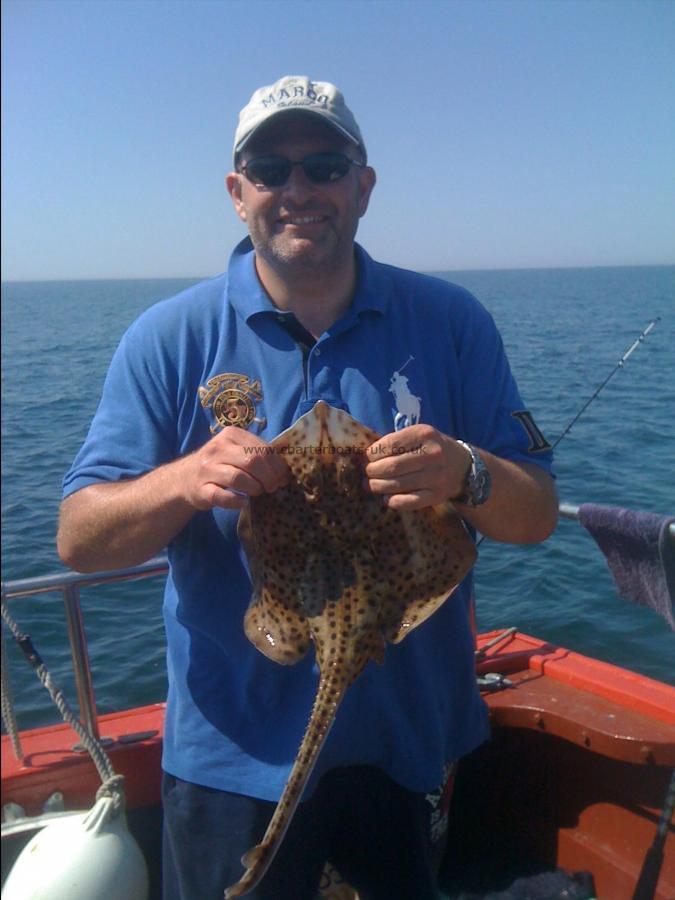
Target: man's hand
x=417 y=467
x=231 y=467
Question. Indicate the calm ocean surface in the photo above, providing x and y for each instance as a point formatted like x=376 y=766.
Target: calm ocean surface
x=564 y=331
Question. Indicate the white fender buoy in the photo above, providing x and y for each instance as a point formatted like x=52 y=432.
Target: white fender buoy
x=86 y=856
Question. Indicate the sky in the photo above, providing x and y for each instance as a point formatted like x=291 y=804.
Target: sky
x=504 y=133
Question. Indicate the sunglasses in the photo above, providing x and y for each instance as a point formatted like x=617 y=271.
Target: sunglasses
x=320 y=168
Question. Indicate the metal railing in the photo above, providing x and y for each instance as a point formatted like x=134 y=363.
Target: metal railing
x=569 y=511
x=70 y=585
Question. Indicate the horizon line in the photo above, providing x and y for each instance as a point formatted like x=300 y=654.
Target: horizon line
x=431 y=272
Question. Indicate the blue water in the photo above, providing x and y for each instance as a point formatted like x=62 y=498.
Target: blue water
x=564 y=331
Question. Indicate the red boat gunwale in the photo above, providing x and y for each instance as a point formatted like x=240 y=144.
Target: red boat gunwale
x=601 y=738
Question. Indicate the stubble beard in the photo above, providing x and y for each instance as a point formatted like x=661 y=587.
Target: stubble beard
x=295 y=258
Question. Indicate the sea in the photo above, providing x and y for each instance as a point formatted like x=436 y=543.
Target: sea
x=565 y=332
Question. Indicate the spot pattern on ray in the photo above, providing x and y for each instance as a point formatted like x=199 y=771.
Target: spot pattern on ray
x=333 y=566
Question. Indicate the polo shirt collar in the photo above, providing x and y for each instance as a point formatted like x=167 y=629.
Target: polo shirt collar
x=249 y=298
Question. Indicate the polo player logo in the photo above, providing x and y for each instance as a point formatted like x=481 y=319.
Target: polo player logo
x=232 y=398
x=408 y=406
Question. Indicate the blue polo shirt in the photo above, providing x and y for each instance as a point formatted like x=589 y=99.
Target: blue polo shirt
x=410 y=348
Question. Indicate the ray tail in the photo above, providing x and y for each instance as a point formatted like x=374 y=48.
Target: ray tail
x=258 y=859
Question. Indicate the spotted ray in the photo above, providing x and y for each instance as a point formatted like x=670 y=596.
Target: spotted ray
x=332 y=565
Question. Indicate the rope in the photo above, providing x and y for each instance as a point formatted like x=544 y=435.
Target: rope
x=8 y=717
x=112 y=783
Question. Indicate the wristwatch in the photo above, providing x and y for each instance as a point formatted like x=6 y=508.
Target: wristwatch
x=478 y=481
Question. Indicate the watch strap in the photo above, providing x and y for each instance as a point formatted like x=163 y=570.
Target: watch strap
x=478 y=481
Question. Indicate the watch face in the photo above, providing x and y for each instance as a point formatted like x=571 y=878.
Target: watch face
x=482 y=486
x=479 y=480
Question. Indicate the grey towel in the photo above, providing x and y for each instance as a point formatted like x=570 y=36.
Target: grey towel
x=640 y=554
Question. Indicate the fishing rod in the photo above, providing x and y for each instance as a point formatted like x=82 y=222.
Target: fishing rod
x=636 y=343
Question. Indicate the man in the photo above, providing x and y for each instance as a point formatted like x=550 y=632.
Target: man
x=198 y=386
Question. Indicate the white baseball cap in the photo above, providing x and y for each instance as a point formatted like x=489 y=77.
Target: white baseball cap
x=296 y=93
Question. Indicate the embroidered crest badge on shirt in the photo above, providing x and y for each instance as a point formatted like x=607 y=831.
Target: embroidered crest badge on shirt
x=232 y=398
x=408 y=406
